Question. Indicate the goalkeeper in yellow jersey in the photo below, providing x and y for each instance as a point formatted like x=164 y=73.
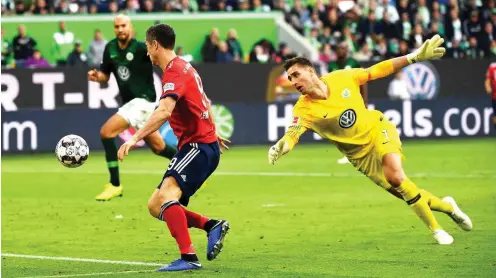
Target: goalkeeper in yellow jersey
x=332 y=107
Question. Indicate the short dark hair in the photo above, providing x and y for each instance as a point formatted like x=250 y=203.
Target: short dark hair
x=162 y=33
x=298 y=60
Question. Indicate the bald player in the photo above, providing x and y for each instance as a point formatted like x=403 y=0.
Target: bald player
x=127 y=59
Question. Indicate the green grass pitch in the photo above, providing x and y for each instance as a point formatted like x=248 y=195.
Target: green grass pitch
x=306 y=216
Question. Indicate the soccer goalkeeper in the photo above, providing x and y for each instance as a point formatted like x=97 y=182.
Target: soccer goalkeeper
x=333 y=107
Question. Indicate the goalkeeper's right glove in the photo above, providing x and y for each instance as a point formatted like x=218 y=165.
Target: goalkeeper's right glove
x=428 y=51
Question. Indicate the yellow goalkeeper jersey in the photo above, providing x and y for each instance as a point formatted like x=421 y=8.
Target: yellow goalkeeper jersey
x=342 y=118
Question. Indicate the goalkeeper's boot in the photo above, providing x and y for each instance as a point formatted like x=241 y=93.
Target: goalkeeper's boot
x=442 y=237
x=216 y=239
x=181 y=265
x=109 y=192
x=458 y=216
x=343 y=160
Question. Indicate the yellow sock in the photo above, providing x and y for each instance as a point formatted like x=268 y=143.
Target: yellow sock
x=411 y=194
x=435 y=203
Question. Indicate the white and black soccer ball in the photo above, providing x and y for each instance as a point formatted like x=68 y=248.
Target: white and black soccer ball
x=72 y=151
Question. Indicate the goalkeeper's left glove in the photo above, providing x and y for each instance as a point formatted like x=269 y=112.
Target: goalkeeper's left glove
x=428 y=51
x=276 y=151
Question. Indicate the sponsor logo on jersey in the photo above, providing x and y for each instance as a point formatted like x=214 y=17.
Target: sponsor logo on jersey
x=346 y=93
x=168 y=87
x=129 y=56
x=422 y=80
x=347 y=118
x=123 y=73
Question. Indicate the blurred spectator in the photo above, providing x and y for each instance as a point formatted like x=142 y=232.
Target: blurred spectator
x=62 y=8
x=387 y=8
x=312 y=23
x=23 y=45
x=398 y=89
x=314 y=38
x=369 y=25
x=423 y=13
x=473 y=52
x=327 y=38
x=473 y=27
x=223 y=55
x=284 y=53
x=389 y=28
x=6 y=50
x=417 y=38
x=36 y=61
x=62 y=45
x=148 y=6
x=403 y=48
x=77 y=58
x=210 y=46
x=262 y=51
x=454 y=27
x=20 y=8
x=234 y=45
x=259 y=7
x=364 y=54
x=132 y=6
x=381 y=50
x=343 y=61
x=405 y=27
x=485 y=38
x=113 y=7
x=96 y=48
x=186 y=57
x=326 y=54
x=455 y=50
x=298 y=15
x=39 y=7
x=493 y=49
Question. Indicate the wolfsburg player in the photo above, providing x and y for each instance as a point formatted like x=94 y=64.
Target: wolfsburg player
x=127 y=59
x=333 y=107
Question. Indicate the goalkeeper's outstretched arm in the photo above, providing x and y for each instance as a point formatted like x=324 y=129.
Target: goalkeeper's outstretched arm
x=430 y=50
x=286 y=143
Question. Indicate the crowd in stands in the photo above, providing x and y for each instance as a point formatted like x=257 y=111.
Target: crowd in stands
x=373 y=30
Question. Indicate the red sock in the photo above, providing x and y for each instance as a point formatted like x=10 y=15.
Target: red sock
x=195 y=220
x=175 y=218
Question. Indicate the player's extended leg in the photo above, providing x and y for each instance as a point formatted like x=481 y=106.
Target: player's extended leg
x=164 y=205
x=110 y=129
x=158 y=146
x=395 y=176
x=447 y=205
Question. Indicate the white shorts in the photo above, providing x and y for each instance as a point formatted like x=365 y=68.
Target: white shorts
x=137 y=111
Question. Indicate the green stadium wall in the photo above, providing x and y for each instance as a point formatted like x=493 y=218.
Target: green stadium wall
x=190 y=29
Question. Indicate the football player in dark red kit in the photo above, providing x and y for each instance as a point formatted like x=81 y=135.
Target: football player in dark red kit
x=183 y=103
x=490 y=85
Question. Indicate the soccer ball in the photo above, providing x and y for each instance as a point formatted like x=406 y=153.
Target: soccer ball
x=72 y=151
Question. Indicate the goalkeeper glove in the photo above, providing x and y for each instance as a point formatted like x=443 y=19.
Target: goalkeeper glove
x=276 y=151
x=428 y=51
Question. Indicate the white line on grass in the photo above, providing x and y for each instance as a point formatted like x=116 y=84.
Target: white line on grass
x=77 y=259
x=91 y=274
x=444 y=175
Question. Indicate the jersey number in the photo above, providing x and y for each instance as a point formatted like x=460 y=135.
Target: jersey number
x=385 y=135
x=172 y=162
x=200 y=88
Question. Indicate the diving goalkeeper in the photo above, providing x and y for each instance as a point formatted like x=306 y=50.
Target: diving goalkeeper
x=333 y=107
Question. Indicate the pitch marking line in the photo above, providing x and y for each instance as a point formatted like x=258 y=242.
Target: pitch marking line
x=483 y=175
x=91 y=274
x=77 y=259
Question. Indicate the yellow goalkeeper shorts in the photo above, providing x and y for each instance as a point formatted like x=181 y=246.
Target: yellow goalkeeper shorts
x=386 y=140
